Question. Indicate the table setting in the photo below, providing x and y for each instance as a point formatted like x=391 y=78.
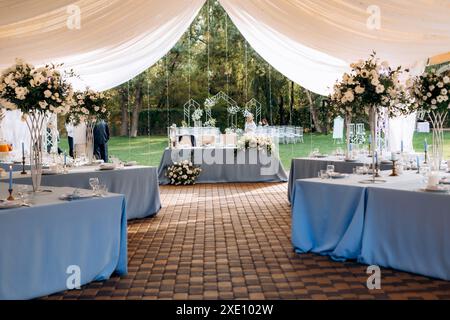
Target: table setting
x=138 y=183
x=401 y=221
x=43 y=234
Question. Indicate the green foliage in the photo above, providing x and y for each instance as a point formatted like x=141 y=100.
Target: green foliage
x=212 y=56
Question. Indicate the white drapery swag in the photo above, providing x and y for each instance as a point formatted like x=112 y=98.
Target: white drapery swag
x=310 y=41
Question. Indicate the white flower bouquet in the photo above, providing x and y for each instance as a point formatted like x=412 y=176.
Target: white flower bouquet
x=197 y=114
x=262 y=143
x=210 y=123
x=89 y=105
x=183 y=173
x=431 y=91
x=35 y=90
x=233 y=110
x=370 y=84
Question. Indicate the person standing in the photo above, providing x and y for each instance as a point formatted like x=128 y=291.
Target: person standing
x=70 y=132
x=250 y=125
x=101 y=138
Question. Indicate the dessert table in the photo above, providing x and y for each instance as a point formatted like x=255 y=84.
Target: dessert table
x=40 y=244
x=225 y=164
x=308 y=167
x=393 y=224
x=139 y=184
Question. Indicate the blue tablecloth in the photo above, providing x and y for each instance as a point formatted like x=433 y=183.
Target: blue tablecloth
x=390 y=225
x=408 y=231
x=16 y=167
x=244 y=166
x=38 y=244
x=139 y=184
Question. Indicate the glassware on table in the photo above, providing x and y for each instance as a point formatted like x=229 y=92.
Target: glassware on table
x=323 y=174
x=330 y=169
x=23 y=191
x=102 y=190
x=94 y=183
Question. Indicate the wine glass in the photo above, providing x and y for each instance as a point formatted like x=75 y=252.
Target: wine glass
x=94 y=183
x=22 y=192
x=330 y=169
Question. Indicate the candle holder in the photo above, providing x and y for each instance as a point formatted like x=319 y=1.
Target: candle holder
x=23 y=166
x=10 y=198
x=377 y=170
x=426 y=157
x=394 y=169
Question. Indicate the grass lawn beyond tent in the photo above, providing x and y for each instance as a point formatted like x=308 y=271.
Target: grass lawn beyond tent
x=148 y=150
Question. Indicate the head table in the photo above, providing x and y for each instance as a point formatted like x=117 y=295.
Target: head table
x=226 y=164
x=394 y=224
x=42 y=245
x=139 y=184
x=308 y=167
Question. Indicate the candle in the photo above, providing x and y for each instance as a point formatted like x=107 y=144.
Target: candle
x=425 y=145
x=376 y=157
x=370 y=139
x=401 y=146
x=10 y=177
x=417 y=161
x=65 y=158
x=23 y=150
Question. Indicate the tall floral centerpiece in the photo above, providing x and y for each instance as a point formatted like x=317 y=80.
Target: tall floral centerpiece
x=197 y=117
x=370 y=86
x=432 y=92
x=90 y=107
x=36 y=92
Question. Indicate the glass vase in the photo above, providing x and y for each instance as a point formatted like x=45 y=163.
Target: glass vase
x=90 y=124
x=437 y=119
x=35 y=123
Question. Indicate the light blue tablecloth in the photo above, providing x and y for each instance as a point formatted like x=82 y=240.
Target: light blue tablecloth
x=390 y=225
x=139 y=184
x=38 y=244
x=408 y=231
x=328 y=219
x=227 y=168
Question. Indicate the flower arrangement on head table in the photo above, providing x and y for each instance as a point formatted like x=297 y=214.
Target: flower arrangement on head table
x=89 y=105
x=370 y=84
x=35 y=90
x=197 y=114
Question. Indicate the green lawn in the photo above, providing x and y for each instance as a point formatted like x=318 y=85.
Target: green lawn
x=148 y=150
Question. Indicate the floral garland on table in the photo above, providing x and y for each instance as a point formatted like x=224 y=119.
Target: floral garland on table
x=262 y=143
x=370 y=84
x=89 y=106
x=35 y=90
x=197 y=115
x=183 y=173
x=431 y=91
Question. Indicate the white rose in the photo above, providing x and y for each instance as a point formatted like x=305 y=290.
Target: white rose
x=43 y=104
x=359 y=89
x=446 y=79
x=433 y=101
x=444 y=92
x=47 y=93
x=379 y=88
x=440 y=84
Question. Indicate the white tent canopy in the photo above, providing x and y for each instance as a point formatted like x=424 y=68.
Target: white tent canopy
x=310 y=41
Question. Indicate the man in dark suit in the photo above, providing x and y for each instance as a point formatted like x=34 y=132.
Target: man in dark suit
x=101 y=137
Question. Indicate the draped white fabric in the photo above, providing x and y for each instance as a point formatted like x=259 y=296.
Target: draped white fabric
x=310 y=41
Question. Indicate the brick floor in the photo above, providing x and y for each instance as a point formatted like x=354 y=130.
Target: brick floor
x=232 y=241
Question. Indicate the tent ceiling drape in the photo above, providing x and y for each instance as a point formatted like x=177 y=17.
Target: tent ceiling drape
x=310 y=41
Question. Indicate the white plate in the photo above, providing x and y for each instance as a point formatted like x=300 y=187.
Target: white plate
x=9 y=204
x=130 y=164
x=435 y=190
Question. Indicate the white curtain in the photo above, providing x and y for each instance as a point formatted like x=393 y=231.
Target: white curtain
x=15 y=131
x=310 y=41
